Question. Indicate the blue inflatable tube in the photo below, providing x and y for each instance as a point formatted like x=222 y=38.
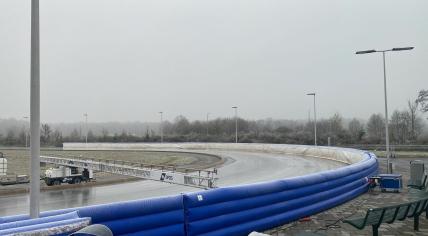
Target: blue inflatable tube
x=277 y=220
x=156 y=214
x=234 y=210
x=22 y=223
x=8 y=219
x=146 y=222
x=130 y=209
x=235 y=218
x=233 y=207
x=231 y=204
x=245 y=191
x=29 y=228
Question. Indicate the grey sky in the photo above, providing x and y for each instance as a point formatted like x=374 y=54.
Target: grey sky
x=126 y=60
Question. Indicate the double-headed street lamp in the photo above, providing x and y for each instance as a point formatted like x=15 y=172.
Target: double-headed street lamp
x=315 y=119
x=389 y=170
x=236 y=123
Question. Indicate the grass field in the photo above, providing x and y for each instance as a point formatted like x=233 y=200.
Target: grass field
x=19 y=159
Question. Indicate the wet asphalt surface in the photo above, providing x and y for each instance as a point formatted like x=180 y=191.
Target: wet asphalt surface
x=239 y=168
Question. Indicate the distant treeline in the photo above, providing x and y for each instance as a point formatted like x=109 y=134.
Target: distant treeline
x=405 y=126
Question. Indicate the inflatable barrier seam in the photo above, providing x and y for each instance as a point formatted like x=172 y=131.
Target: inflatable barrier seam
x=228 y=207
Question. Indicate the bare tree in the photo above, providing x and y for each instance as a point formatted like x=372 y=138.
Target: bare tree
x=181 y=125
x=400 y=126
x=10 y=137
x=45 y=133
x=356 y=130
x=336 y=124
x=91 y=136
x=413 y=109
x=74 y=136
x=375 y=128
x=104 y=134
x=57 y=138
x=423 y=100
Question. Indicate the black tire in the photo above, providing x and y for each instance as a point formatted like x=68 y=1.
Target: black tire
x=77 y=180
x=48 y=182
x=57 y=182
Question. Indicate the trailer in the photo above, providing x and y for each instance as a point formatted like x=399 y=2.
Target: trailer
x=66 y=174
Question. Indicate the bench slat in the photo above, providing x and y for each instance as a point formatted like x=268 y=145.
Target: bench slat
x=375 y=217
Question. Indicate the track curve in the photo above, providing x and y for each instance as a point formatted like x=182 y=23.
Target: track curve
x=241 y=167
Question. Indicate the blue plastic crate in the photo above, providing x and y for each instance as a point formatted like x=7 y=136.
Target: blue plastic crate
x=391 y=182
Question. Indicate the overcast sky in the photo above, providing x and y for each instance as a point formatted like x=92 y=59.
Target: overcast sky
x=126 y=60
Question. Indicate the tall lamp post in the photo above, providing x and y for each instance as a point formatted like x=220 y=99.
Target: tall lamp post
x=35 y=112
x=389 y=169
x=161 y=125
x=315 y=119
x=236 y=123
x=26 y=132
x=86 y=127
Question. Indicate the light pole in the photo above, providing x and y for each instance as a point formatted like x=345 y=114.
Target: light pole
x=161 y=125
x=389 y=170
x=26 y=132
x=208 y=115
x=236 y=123
x=86 y=127
x=35 y=111
x=315 y=118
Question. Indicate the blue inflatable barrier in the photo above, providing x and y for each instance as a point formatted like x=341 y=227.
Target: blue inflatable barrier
x=240 y=208
x=159 y=215
x=236 y=210
x=45 y=226
x=14 y=218
x=267 y=223
x=22 y=223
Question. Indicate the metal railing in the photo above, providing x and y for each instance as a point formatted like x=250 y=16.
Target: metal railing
x=164 y=173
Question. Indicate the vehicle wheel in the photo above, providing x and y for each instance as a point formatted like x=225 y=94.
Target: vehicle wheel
x=56 y=182
x=77 y=180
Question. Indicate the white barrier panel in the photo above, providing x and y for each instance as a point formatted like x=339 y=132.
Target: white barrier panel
x=3 y=166
x=344 y=155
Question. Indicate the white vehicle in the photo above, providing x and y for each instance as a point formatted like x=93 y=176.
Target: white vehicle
x=64 y=174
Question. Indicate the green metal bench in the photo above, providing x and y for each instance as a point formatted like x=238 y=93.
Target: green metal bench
x=419 y=186
x=416 y=194
x=375 y=217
